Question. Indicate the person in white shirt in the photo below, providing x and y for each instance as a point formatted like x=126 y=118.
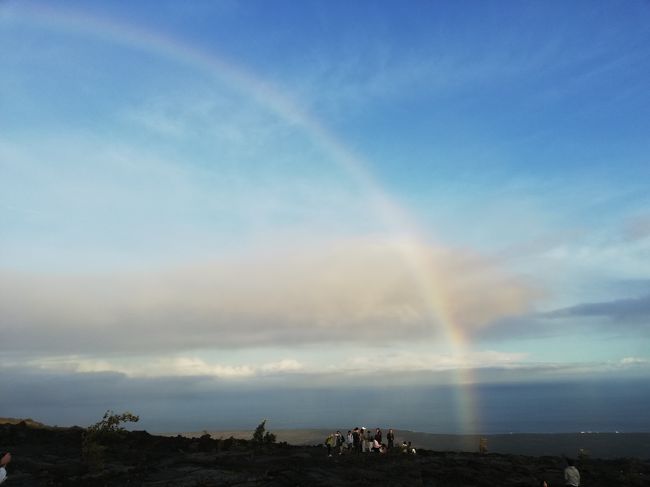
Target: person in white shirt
x=571 y=475
x=4 y=460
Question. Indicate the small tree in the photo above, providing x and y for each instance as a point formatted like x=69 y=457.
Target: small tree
x=261 y=436
x=111 y=423
x=258 y=436
x=108 y=430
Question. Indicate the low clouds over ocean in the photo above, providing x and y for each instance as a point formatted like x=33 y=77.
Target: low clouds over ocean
x=353 y=291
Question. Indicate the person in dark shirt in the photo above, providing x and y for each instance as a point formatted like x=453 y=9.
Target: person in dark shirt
x=356 y=440
x=390 y=437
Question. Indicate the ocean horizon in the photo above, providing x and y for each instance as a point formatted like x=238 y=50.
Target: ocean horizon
x=563 y=407
x=176 y=405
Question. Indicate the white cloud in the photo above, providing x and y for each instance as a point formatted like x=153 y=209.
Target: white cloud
x=632 y=361
x=283 y=366
x=371 y=365
x=366 y=361
x=159 y=366
x=420 y=362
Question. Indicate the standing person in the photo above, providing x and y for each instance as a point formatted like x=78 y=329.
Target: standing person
x=330 y=443
x=350 y=440
x=390 y=437
x=339 y=442
x=369 y=438
x=4 y=460
x=356 y=440
x=571 y=474
x=364 y=439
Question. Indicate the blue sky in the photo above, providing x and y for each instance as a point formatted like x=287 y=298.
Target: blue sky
x=309 y=191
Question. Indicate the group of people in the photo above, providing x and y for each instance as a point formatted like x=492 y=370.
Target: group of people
x=360 y=440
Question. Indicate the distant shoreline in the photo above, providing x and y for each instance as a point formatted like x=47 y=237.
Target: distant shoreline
x=595 y=445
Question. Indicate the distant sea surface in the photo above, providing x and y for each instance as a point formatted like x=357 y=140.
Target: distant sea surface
x=567 y=407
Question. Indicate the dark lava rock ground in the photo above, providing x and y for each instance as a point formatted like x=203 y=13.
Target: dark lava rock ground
x=52 y=457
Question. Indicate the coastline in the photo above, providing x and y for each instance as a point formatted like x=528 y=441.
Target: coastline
x=595 y=445
x=64 y=456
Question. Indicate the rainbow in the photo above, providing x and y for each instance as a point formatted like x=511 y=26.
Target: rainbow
x=394 y=217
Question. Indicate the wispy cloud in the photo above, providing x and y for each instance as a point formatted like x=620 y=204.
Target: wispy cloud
x=632 y=361
x=157 y=366
x=406 y=362
x=368 y=361
x=623 y=311
x=365 y=68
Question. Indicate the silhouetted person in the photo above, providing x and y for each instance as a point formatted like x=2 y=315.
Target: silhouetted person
x=356 y=440
x=330 y=443
x=366 y=438
x=390 y=437
x=339 y=442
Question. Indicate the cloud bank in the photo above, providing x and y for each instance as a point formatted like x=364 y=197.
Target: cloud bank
x=622 y=310
x=194 y=403
x=351 y=291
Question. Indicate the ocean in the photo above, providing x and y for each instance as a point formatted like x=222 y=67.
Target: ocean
x=184 y=404
x=567 y=407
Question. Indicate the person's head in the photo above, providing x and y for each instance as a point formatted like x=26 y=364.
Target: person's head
x=570 y=462
x=349 y=431
x=390 y=430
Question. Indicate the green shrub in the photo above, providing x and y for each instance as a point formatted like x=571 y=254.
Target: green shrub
x=98 y=437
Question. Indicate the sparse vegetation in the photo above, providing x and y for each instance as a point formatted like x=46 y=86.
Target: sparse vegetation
x=50 y=456
x=98 y=437
x=261 y=436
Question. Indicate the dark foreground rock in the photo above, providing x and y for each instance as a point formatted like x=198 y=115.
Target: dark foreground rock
x=53 y=456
